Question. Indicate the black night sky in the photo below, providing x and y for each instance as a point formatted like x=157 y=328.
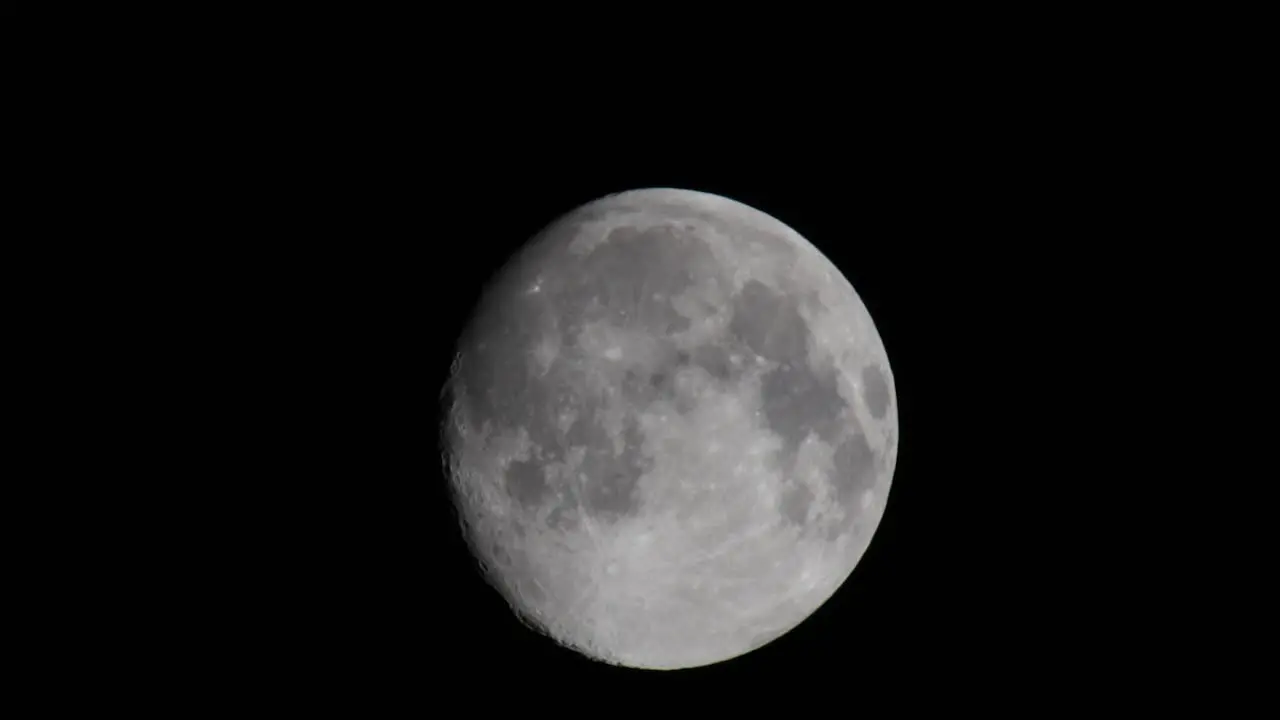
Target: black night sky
x=984 y=260
x=259 y=238
x=958 y=251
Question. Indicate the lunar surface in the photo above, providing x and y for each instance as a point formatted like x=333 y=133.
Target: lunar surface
x=671 y=429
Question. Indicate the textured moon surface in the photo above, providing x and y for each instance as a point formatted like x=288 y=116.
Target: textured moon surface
x=670 y=429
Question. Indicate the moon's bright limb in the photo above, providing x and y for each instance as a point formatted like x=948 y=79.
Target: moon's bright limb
x=671 y=429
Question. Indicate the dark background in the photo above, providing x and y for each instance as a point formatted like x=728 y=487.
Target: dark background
x=967 y=244
x=254 y=240
x=304 y=236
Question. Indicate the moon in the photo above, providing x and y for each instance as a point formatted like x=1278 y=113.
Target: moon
x=670 y=429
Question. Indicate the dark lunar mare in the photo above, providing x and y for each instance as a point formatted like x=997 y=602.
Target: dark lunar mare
x=875 y=391
x=614 y=284
x=855 y=468
x=526 y=481
x=798 y=400
x=610 y=488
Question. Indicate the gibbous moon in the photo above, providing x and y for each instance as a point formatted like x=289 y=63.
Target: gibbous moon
x=671 y=429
